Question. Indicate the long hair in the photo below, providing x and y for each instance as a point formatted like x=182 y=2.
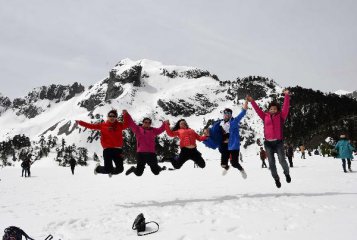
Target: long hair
x=177 y=125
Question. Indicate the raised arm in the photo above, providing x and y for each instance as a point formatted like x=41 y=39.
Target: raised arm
x=129 y=122
x=237 y=119
x=93 y=126
x=158 y=131
x=257 y=109
x=168 y=130
x=200 y=138
x=286 y=105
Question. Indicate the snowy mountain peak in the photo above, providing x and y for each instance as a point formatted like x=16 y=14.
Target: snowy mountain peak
x=342 y=92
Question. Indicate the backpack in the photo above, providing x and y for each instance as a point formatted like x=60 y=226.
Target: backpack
x=140 y=225
x=15 y=233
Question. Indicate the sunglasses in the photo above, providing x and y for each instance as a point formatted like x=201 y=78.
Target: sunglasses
x=227 y=113
x=112 y=116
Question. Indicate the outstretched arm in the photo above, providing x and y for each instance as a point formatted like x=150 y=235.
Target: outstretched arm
x=201 y=138
x=241 y=114
x=93 y=126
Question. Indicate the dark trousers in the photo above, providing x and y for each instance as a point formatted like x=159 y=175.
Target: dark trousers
x=272 y=147
x=344 y=164
x=264 y=165
x=72 y=169
x=290 y=158
x=146 y=158
x=226 y=154
x=186 y=154
x=112 y=155
x=26 y=171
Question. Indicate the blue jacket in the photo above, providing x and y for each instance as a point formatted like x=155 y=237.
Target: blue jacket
x=216 y=135
x=344 y=149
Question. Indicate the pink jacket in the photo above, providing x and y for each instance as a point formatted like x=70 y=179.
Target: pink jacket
x=273 y=124
x=145 y=138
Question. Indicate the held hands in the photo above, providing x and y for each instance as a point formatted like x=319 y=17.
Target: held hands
x=249 y=98
x=245 y=105
x=167 y=122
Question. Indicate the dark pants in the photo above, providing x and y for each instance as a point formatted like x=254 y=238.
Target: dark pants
x=290 y=158
x=264 y=165
x=112 y=155
x=72 y=169
x=272 y=147
x=146 y=158
x=344 y=164
x=186 y=154
x=226 y=154
x=26 y=171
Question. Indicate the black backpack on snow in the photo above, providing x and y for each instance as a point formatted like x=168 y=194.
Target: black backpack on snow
x=140 y=225
x=15 y=233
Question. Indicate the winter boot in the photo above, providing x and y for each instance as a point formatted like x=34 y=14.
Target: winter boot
x=130 y=170
x=95 y=169
x=288 y=178
x=349 y=169
x=277 y=182
x=225 y=169
x=244 y=174
x=163 y=168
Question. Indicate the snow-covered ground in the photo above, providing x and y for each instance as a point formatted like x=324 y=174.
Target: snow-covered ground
x=191 y=203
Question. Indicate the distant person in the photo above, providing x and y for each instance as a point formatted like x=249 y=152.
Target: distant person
x=345 y=150
x=273 y=132
x=290 y=154
x=145 y=145
x=302 y=150
x=111 y=140
x=25 y=168
x=72 y=163
x=316 y=152
x=188 y=138
x=224 y=134
x=263 y=156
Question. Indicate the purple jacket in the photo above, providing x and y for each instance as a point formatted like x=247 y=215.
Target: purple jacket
x=273 y=124
x=145 y=138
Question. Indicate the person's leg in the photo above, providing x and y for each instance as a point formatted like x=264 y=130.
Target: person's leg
x=72 y=169
x=224 y=155
x=281 y=156
x=344 y=165
x=349 y=164
x=23 y=171
x=235 y=160
x=117 y=157
x=182 y=158
x=270 y=150
x=196 y=156
x=290 y=158
x=152 y=162
x=108 y=165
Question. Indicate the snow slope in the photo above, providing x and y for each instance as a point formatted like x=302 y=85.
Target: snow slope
x=191 y=203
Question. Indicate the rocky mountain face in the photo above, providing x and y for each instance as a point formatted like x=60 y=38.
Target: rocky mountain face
x=150 y=89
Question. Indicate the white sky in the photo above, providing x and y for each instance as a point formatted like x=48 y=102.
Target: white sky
x=311 y=43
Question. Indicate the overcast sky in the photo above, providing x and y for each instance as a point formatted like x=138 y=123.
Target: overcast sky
x=296 y=42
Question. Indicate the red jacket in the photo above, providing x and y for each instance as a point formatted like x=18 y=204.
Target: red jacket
x=111 y=133
x=187 y=136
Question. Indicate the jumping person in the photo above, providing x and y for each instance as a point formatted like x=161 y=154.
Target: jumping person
x=345 y=150
x=145 y=145
x=273 y=132
x=224 y=134
x=112 y=142
x=188 y=145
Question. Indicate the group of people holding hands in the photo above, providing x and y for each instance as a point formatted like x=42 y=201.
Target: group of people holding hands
x=223 y=134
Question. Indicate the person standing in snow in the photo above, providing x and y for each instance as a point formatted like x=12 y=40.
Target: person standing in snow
x=224 y=134
x=290 y=154
x=188 y=145
x=345 y=150
x=111 y=140
x=263 y=156
x=145 y=145
x=302 y=150
x=273 y=132
x=72 y=163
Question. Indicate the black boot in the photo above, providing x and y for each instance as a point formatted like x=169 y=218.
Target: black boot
x=277 y=182
x=288 y=178
x=130 y=170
